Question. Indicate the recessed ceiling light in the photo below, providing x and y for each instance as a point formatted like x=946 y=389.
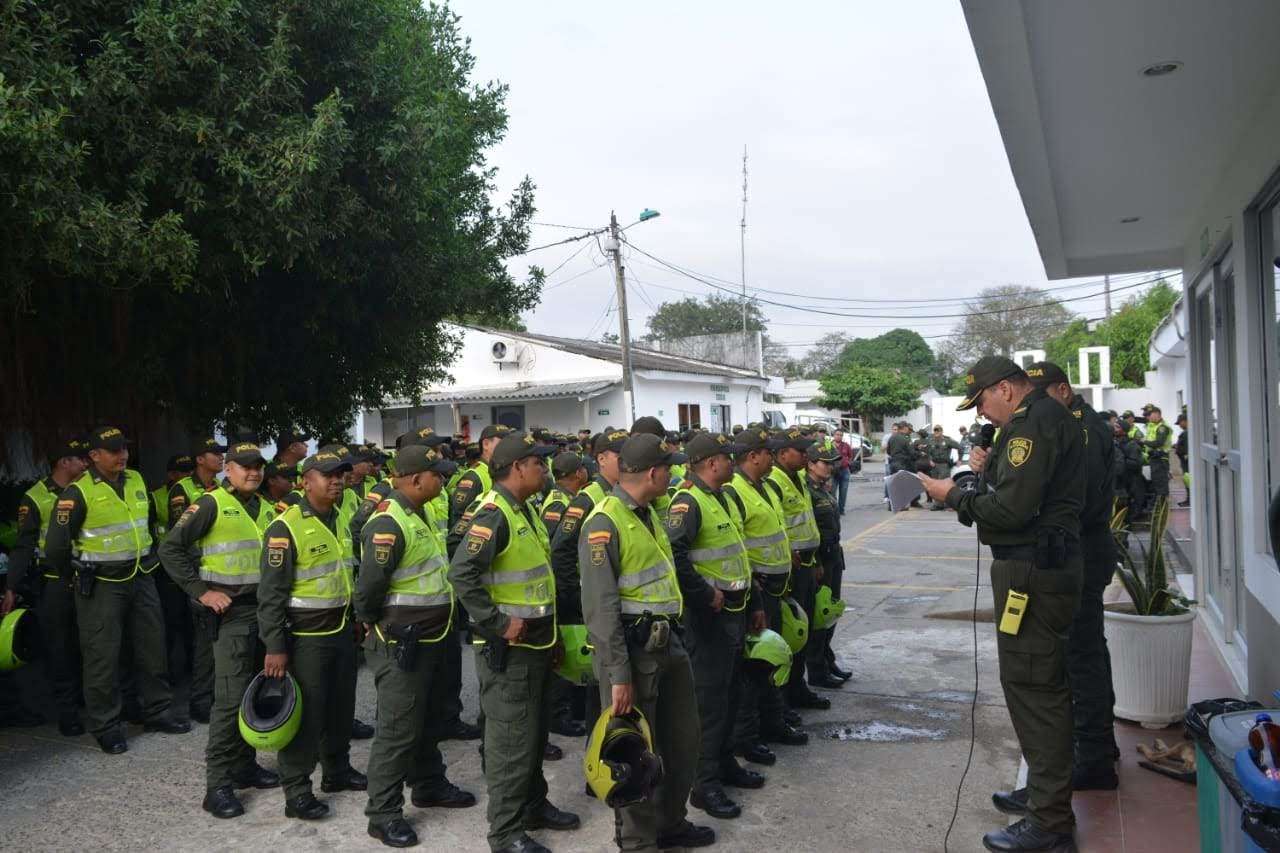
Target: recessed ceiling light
x=1160 y=69
x=1130 y=219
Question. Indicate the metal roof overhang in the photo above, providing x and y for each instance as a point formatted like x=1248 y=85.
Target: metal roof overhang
x=517 y=391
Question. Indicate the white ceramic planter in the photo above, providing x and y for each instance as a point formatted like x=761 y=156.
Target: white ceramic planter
x=1150 y=665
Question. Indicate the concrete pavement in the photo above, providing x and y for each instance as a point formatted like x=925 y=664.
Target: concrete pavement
x=879 y=774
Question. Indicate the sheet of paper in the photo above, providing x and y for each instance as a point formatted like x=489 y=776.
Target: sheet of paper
x=904 y=487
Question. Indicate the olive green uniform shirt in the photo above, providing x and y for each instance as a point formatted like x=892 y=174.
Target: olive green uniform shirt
x=275 y=587
x=180 y=549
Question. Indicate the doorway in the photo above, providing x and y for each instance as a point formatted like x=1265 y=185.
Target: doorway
x=512 y=416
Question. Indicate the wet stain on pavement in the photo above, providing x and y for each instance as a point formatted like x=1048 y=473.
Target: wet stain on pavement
x=878 y=731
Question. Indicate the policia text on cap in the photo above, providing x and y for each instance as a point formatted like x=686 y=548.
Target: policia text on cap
x=1029 y=514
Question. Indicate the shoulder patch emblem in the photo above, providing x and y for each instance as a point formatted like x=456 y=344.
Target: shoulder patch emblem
x=489 y=505
x=384 y=539
x=574 y=512
x=23 y=512
x=551 y=515
x=1019 y=451
x=602 y=537
x=66 y=504
x=479 y=531
x=382 y=506
x=598 y=553
x=278 y=542
x=679 y=508
x=381 y=553
x=569 y=523
x=281 y=507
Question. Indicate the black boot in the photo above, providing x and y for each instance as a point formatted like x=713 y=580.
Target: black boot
x=222 y=802
x=715 y=802
x=758 y=753
x=360 y=730
x=113 y=742
x=687 y=835
x=257 y=777
x=1025 y=837
x=305 y=807
x=447 y=796
x=395 y=833
x=548 y=816
x=349 y=779
x=1010 y=802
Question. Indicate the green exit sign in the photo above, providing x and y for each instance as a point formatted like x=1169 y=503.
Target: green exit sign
x=602 y=412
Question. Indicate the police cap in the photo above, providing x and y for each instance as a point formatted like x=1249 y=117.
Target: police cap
x=417 y=458
x=1045 y=373
x=329 y=459
x=704 y=445
x=515 y=446
x=987 y=371
x=645 y=451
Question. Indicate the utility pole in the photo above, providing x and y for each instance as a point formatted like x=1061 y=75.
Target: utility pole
x=624 y=324
x=1106 y=289
x=742 y=242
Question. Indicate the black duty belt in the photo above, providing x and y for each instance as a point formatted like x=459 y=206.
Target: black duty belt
x=1013 y=552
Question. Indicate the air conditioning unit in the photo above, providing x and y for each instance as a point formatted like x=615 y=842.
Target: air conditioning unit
x=505 y=352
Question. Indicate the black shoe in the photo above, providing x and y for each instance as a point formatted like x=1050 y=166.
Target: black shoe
x=687 y=835
x=395 y=833
x=551 y=752
x=550 y=817
x=567 y=728
x=168 y=725
x=1010 y=802
x=200 y=713
x=1184 y=503
x=349 y=779
x=1025 y=836
x=828 y=681
x=809 y=699
x=715 y=802
x=360 y=730
x=222 y=802
x=461 y=731
x=450 y=796
x=113 y=742
x=69 y=725
x=758 y=753
x=842 y=674
x=741 y=777
x=792 y=718
x=1095 y=778
x=259 y=777
x=524 y=844
x=788 y=735
x=305 y=807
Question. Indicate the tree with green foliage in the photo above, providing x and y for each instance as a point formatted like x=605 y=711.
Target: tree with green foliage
x=1005 y=319
x=1127 y=333
x=249 y=212
x=897 y=349
x=868 y=392
x=711 y=315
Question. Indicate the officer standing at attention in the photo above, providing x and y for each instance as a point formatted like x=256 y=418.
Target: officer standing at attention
x=705 y=532
x=651 y=425
x=52 y=594
x=304 y=619
x=277 y=481
x=940 y=447
x=632 y=604
x=479 y=478
x=822 y=463
x=101 y=533
x=405 y=602
x=1088 y=661
x=762 y=715
x=291 y=448
x=501 y=574
x=570 y=475
x=1030 y=517
x=176 y=468
x=1158 y=443
x=786 y=478
x=212 y=554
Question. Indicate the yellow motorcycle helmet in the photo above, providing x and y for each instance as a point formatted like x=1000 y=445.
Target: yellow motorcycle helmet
x=795 y=624
x=827 y=609
x=19 y=639
x=620 y=764
x=575 y=667
x=270 y=712
x=768 y=658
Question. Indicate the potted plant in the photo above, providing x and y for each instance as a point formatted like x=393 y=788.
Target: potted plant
x=1149 y=641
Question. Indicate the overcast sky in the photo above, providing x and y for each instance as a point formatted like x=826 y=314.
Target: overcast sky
x=876 y=168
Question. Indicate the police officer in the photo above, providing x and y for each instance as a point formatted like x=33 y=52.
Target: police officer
x=1157 y=441
x=898 y=451
x=53 y=594
x=175 y=469
x=212 y=554
x=940 y=447
x=705 y=532
x=570 y=475
x=1030 y=517
x=762 y=714
x=632 y=603
x=1180 y=450
x=101 y=533
x=822 y=462
x=277 y=481
x=795 y=504
x=304 y=619
x=291 y=449
x=501 y=574
x=1088 y=661
x=1131 y=484
x=404 y=599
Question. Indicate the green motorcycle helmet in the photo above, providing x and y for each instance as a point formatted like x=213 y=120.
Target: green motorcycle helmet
x=19 y=639
x=270 y=712
x=827 y=610
x=620 y=764
x=795 y=624
x=768 y=658
x=575 y=667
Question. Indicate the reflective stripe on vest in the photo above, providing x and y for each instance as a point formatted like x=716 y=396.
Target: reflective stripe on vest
x=114 y=530
x=797 y=512
x=322 y=570
x=421 y=578
x=762 y=530
x=647 y=578
x=519 y=579
x=718 y=552
x=44 y=501
x=231 y=552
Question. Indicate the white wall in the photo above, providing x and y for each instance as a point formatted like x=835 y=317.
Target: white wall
x=659 y=393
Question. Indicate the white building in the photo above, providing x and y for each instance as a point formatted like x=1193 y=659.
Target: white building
x=1145 y=135
x=525 y=380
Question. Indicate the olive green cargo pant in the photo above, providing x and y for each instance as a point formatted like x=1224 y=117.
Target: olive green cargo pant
x=1033 y=673
x=324 y=668
x=663 y=690
x=516 y=704
x=406 y=747
x=57 y=609
x=237 y=658
x=113 y=609
x=715 y=643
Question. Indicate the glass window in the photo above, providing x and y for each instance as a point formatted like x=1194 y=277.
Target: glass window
x=1269 y=244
